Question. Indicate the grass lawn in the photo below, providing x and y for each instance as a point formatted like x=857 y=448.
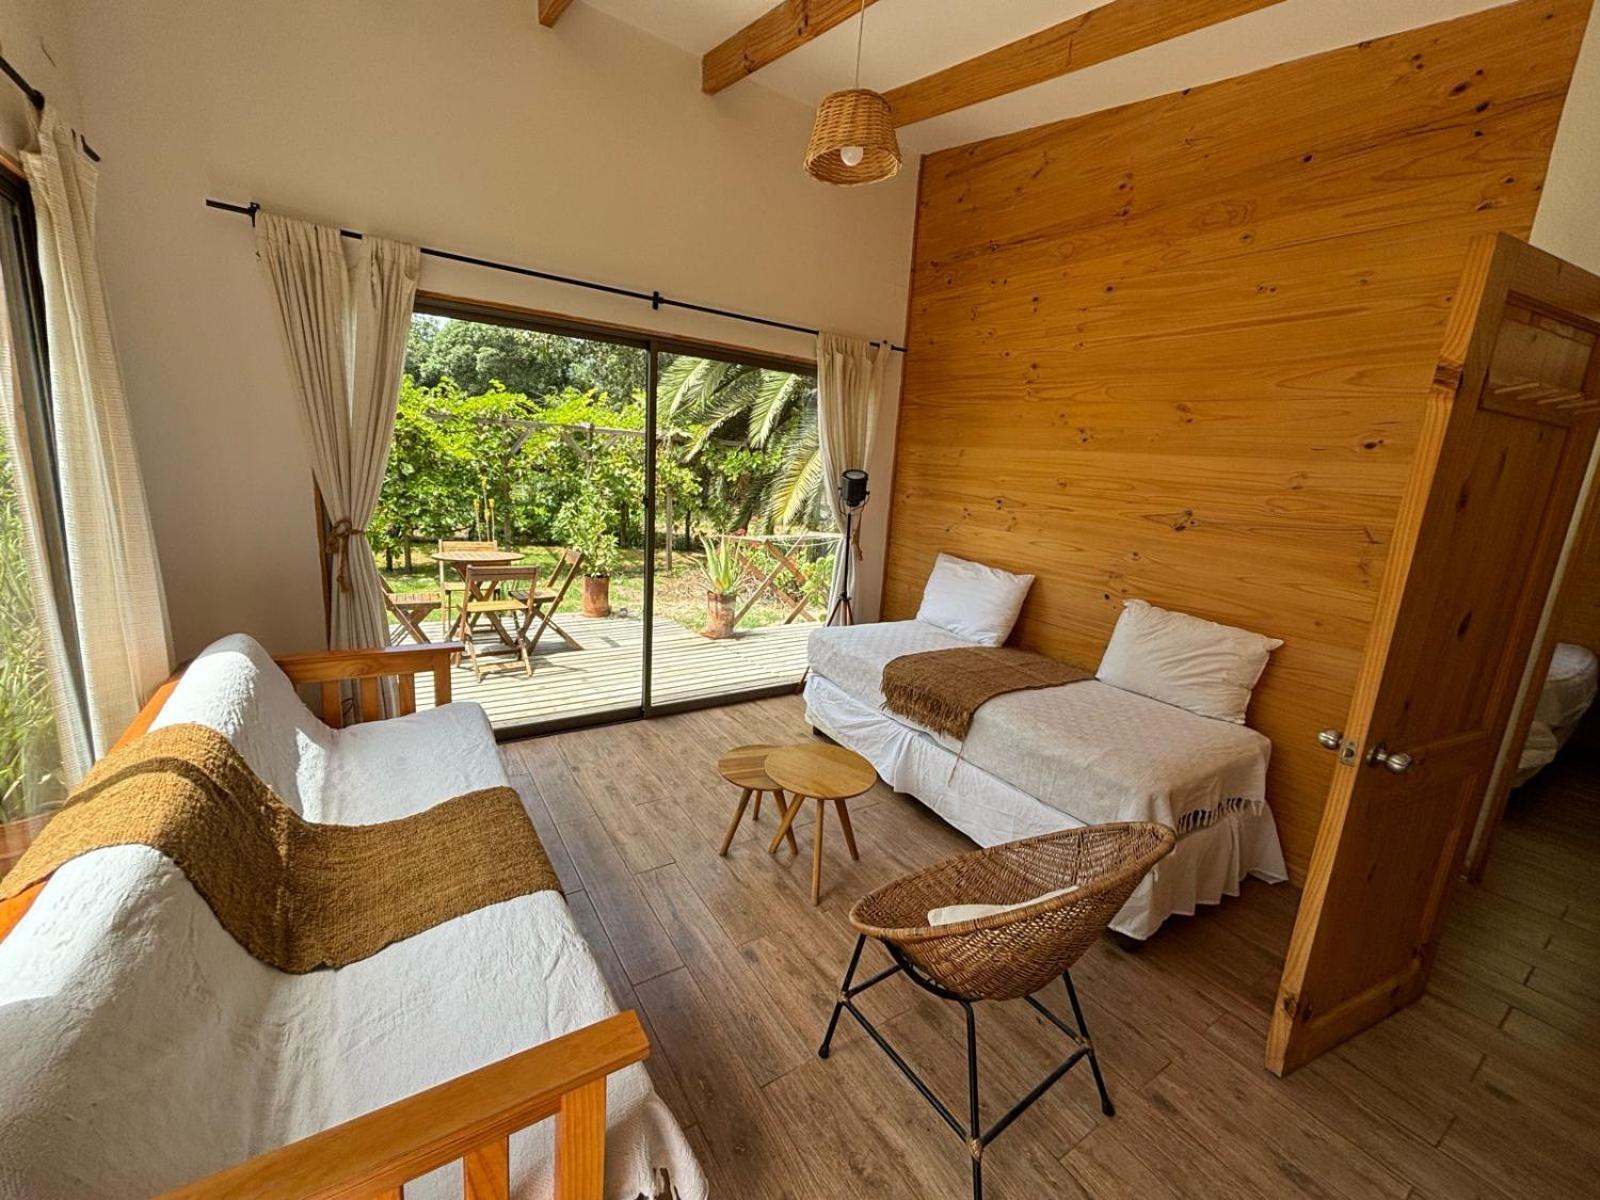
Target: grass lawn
x=680 y=593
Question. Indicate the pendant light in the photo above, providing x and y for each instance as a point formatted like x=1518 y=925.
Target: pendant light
x=853 y=139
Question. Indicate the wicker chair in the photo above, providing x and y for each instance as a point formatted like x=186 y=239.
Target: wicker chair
x=1006 y=956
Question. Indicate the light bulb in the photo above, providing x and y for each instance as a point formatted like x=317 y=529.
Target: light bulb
x=851 y=156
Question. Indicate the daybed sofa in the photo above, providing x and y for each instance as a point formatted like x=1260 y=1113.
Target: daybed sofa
x=143 y=1048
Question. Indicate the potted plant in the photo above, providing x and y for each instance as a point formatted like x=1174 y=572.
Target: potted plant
x=722 y=583
x=584 y=526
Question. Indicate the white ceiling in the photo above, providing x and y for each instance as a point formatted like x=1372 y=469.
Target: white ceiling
x=907 y=39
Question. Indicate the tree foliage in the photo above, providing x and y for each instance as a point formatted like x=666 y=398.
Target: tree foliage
x=535 y=438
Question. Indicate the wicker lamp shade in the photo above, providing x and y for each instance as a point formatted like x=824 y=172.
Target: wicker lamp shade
x=856 y=117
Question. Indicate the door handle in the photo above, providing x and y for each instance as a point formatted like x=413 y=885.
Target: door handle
x=1397 y=761
x=1331 y=739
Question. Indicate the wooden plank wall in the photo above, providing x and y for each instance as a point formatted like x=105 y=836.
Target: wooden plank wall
x=1578 y=615
x=1179 y=350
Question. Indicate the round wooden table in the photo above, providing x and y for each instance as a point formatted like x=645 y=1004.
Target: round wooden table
x=820 y=772
x=744 y=767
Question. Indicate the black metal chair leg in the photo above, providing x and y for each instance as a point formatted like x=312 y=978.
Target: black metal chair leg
x=1106 y=1106
x=975 y=1146
x=838 y=1006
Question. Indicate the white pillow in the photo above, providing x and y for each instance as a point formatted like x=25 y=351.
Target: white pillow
x=1199 y=665
x=973 y=601
x=952 y=914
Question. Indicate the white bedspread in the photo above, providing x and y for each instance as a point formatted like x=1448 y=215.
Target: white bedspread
x=142 y=1047
x=1087 y=749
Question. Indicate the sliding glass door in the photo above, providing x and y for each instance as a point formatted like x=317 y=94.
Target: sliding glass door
x=744 y=552
x=611 y=525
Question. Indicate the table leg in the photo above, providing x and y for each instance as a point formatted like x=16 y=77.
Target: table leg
x=816 y=854
x=784 y=825
x=844 y=824
x=733 y=825
x=794 y=846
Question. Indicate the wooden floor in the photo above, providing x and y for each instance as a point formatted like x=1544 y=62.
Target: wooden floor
x=605 y=675
x=1488 y=1087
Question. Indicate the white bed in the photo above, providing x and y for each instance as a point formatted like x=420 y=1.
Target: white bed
x=1568 y=691
x=144 y=1048
x=1056 y=758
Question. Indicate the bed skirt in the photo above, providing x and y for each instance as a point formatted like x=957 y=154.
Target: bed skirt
x=1207 y=864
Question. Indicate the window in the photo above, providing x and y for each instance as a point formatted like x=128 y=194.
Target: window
x=32 y=785
x=683 y=480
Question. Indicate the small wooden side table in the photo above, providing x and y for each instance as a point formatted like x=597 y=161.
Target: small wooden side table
x=816 y=771
x=743 y=766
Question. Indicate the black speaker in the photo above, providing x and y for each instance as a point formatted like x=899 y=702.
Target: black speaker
x=853 y=488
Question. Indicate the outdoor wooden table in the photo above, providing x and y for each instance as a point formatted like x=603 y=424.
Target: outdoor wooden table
x=811 y=770
x=461 y=560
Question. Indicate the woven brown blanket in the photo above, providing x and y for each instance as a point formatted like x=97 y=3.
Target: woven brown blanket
x=295 y=894
x=941 y=689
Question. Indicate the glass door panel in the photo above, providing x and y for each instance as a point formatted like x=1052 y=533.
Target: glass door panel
x=513 y=515
x=743 y=540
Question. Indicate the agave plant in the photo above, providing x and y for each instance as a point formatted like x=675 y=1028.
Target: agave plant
x=721 y=566
x=774 y=410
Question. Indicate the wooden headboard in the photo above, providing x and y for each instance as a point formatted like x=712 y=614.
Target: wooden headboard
x=1179 y=350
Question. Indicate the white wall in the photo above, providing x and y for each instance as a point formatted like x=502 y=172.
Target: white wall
x=34 y=38
x=586 y=150
x=1568 y=221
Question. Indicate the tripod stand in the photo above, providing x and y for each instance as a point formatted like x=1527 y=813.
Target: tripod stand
x=842 y=607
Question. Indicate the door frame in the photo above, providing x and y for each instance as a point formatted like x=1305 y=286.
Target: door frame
x=1495 y=268
x=653 y=344
x=1583 y=526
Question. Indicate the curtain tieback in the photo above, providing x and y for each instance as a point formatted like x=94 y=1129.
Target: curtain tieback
x=337 y=544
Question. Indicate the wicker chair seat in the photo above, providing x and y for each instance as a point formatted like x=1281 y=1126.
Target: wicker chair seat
x=1009 y=955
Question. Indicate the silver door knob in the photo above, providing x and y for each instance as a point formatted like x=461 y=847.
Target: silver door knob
x=1331 y=739
x=1396 y=760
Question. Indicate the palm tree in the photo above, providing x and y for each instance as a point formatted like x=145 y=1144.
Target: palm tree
x=767 y=410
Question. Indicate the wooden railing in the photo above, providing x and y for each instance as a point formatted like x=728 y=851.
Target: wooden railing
x=470 y=1118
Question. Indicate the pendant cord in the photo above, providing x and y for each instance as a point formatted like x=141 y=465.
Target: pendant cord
x=861 y=29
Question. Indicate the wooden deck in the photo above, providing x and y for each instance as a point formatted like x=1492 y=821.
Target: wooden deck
x=605 y=674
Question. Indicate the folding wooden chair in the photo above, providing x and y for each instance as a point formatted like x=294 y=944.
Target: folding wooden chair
x=491 y=591
x=411 y=609
x=546 y=602
x=450 y=580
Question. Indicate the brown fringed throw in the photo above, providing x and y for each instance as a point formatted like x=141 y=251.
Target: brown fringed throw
x=295 y=894
x=941 y=689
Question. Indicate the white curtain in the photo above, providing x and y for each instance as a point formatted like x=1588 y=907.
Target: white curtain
x=849 y=382
x=119 y=608
x=72 y=732
x=345 y=309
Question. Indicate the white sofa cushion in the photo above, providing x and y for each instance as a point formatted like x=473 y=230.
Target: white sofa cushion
x=121 y=995
x=344 y=776
x=1207 y=668
x=973 y=601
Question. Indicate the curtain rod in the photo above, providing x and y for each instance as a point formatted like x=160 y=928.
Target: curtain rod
x=36 y=98
x=655 y=299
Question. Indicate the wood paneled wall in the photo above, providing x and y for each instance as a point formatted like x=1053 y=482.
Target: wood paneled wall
x=1578 y=615
x=1179 y=350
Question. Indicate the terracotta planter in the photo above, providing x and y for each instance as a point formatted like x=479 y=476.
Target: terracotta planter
x=720 y=609
x=597 y=595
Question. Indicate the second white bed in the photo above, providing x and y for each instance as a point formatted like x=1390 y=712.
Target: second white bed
x=1057 y=758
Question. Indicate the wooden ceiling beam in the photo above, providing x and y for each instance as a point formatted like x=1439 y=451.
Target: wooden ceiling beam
x=785 y=27
x=1103 y=33
x=550 y=11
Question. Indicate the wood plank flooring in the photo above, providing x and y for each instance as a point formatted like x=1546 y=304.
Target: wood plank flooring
x=1488 y=1087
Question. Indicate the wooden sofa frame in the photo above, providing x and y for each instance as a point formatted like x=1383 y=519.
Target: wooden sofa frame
x=471 y=1117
